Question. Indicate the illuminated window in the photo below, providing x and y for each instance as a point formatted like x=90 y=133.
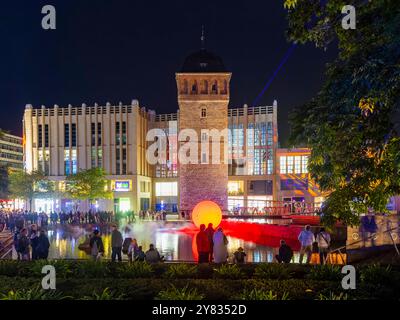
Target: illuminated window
x=74 y=161
x=100 y=157
x=235 y=188
x=166 y=189
x=304 y=164
x=290 y=164
x=67 y=166
x=297 y=164
x=204 y=157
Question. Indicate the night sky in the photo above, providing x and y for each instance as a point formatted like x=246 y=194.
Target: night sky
x=112 y=51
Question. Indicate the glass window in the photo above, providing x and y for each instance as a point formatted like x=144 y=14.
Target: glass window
x=297 y=164
x=290 y=164
x=203 y=112
x=66 y=135
x=40 y=141
x=304 y=164
x=100 y=157
x=282 y=164
x=74 y=161
x=93 y=156
x=73 y=136
x=67 y=167
x=46 y=135
x=168 y=189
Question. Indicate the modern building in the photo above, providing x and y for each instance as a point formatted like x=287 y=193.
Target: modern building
x=11 y=151
x=252 y=172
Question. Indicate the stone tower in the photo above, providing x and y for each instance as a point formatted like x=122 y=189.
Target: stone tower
x=203 y=97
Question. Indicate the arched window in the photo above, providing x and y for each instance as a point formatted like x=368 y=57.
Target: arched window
x=185 y=87
x=225 y=89
x=214 y=87
x=204 y=89
x=194 y=87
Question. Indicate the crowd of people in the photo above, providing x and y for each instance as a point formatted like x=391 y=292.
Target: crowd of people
x=309 y=243
x=31 y=242
x=119 y=246
x=212 y=246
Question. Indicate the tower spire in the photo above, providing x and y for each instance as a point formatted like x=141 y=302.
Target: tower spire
x=203 y=38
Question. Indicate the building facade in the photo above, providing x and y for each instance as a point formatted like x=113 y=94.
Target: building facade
x=252 y=174
x=11 y=151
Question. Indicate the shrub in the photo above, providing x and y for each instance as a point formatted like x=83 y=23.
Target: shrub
x=179 y=294
x=272 y=271
x=333 y=296
x=106 y=294
x=63 y=268
x=376 y=274
x=257 y=294
x=134 y=270
x=36 y=293
x=228 y=271
x=9 y=268
x=91 y=269
x=180 y=271
x=326 y=272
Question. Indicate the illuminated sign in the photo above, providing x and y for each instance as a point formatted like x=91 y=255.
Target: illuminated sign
x=122 y=185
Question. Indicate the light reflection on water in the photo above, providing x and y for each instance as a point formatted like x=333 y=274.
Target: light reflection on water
x=65 y=240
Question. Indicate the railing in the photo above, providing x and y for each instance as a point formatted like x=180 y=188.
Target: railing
x=6 y=245
x=364 y=239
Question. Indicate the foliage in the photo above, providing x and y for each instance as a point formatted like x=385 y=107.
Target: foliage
x=135 y=270
x=333 y=296
x=4 y=182
x=350 y=125
x=30 y=185
x=88 y=184
x=63 y=268
x=106 y=294
x=92 y=269
x=228 y=271
x=180 y=271
x=273 y=271
x=327 y=272
x=376 y=274
x=36 y=293
x=179 y=294
x=257 y=294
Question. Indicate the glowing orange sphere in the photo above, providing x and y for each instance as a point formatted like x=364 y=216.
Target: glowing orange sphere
x=206 y=212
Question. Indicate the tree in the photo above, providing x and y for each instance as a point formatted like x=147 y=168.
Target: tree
x=4 y=193
x=350 y=125
x=28 y=186
x=89 y=184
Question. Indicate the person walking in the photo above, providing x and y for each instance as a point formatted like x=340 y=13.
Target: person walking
x=210 y=233
x=43 y=246
x=96 y=246
x=203 y=245
x=306 y=238
x=116 y=244
x=285 y=254
x=324 y=241
x=220 y=249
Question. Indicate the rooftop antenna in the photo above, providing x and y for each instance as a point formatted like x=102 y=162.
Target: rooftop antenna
x=203 y=38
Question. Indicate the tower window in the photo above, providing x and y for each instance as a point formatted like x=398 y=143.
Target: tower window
x=214 y=87
x=185 y=87
x=194 y=87
x=203 y=112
